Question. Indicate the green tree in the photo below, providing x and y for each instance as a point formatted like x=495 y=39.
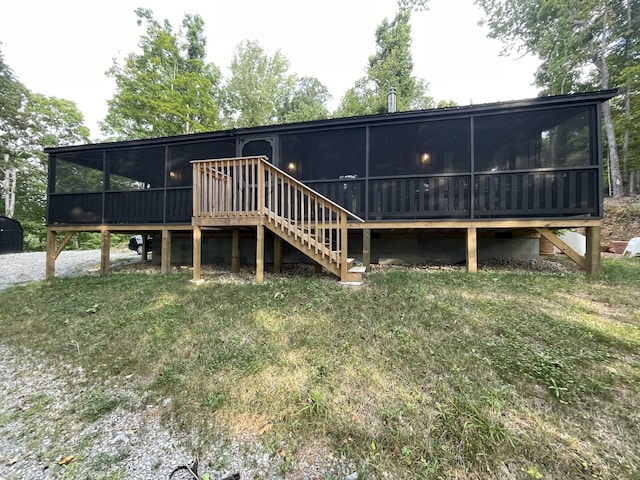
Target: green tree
x=413 y=4
x=13 y=97
x=577 y=40
x=308 y=102
x=262 y=91
x=29 y=123
x=51 y=122
x=168 y=88
x=625 y=70
x=390 y=66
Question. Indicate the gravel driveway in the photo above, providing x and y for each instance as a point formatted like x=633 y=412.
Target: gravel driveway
x=16 y=268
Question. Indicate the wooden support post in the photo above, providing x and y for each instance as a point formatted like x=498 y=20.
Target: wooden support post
x=260 y=254
x=197 y=253
x=235 y=251
x=594 y=266
x=165 y=256
x=472 y=249
x=344 y=235
x=277 y=254
x=145 y=244
x=366 y=248
x=105 y=250
x=54 y=250
x=50 y=270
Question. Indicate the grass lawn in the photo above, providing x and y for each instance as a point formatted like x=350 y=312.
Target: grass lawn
x=418 y=374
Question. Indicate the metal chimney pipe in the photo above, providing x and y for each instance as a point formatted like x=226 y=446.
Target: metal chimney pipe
x=391 y=100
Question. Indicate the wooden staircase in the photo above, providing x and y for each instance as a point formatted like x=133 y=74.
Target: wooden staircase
x=248 y=191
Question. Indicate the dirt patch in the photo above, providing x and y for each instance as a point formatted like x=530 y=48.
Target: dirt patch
x=621 y=219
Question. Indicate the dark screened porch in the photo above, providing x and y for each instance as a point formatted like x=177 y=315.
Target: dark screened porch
x=532 y=159
x=531 y=164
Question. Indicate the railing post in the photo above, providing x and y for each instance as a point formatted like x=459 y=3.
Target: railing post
x=261 y=191
x=196 y=190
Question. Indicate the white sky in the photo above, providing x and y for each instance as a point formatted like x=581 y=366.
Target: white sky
x=62 y=48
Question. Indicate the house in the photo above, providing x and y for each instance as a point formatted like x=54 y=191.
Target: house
x=451 y=184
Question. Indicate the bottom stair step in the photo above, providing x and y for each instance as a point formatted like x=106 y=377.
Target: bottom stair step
x=356 y=274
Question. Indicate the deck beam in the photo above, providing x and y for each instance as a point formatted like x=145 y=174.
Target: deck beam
x=465 y=223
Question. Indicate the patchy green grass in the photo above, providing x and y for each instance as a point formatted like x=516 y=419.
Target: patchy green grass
x=420 y=374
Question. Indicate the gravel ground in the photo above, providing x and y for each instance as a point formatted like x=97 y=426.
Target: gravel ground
x=44 y=405
x=43 y=419
x=18 y=268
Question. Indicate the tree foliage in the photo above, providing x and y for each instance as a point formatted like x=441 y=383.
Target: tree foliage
x=262 y=91
x=30 y=122
x=581 y=43
x=258 y=86
x=413 y=4
x=625 y=72
x=13 y=97
x=390 y=66
x=308 y=102
x=51 y=122
x=167 y=88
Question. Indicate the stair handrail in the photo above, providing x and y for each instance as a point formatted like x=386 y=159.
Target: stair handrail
x=265 y=162
x=328 y=240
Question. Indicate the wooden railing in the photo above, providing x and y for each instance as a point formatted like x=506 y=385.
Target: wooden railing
x=251 y=188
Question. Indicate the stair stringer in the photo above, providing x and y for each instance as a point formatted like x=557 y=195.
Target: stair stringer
x=326 y=259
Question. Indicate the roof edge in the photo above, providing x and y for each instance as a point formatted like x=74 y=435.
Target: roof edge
x=599 y=96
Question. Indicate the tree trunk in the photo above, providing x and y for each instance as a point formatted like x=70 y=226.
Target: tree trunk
x=627 y=107
x=9 y=189
x=625 y=137
x=614 y=162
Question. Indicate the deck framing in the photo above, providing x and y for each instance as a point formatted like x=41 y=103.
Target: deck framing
x=590 y=262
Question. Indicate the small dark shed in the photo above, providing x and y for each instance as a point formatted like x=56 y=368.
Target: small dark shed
x=11 y=235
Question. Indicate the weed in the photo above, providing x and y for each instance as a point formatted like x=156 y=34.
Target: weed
x=315 y=405
x=214 y=401
x=533 y=472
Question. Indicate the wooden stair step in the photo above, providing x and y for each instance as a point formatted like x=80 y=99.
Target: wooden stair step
x=356 y=274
